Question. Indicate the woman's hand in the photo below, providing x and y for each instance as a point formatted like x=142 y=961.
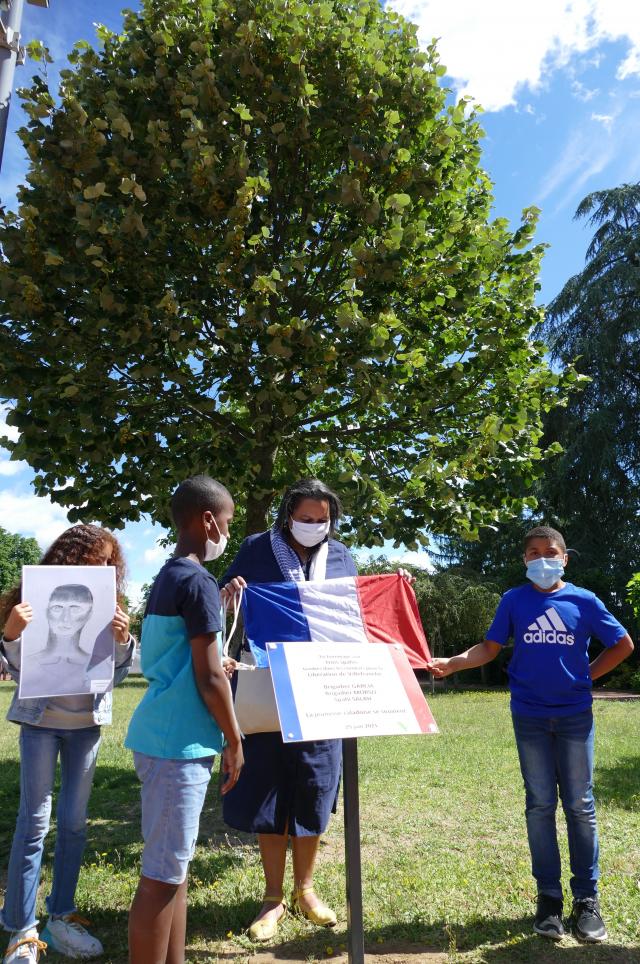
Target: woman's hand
x=120 y=626
x=229 y=666
x=233 y=587
x=19 y=618
x=407 y=575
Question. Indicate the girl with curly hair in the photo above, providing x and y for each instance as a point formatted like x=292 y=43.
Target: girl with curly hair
x=67 y=727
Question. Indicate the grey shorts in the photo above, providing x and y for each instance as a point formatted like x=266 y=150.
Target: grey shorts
x=173 y=793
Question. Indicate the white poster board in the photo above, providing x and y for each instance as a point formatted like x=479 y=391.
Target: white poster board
x=333 y=690
x=68 y=647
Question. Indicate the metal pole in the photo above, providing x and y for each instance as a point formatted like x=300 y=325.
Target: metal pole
x=355 y=921
x=9 y=51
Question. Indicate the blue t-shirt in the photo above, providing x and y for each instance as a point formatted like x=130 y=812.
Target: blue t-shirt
x=549 y=670
x=171 y=720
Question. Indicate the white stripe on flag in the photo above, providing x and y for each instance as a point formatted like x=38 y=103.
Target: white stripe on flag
x=555 y=619
x=332 y=610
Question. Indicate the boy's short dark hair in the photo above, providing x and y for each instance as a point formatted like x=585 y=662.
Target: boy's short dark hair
x=545 y=532
x=196 y=495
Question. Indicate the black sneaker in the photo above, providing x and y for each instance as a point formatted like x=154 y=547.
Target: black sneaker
x=586 y=922
x=548 y=919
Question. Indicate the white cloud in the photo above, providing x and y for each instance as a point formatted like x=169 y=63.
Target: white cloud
x=606 y=119
x=32 y=515
x=10 y=431
x=419 y=560
x=396 y=557
x=134 y=592
x=491 y=50
x=579 y=90
x=158 y=553
x=7 y=467
x=581 y=160
x=586 y=155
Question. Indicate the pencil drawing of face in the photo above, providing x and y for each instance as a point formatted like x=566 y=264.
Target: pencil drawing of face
x=68 y=611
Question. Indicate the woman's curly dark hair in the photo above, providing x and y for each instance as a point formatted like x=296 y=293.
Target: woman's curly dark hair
x=80 y=545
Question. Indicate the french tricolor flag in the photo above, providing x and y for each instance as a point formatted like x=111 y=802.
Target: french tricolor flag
x=359 y=609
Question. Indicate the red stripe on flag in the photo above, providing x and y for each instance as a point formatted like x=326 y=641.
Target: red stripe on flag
x=390 y=615
x=419 y=704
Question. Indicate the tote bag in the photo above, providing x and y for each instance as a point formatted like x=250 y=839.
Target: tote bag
x=254 y=701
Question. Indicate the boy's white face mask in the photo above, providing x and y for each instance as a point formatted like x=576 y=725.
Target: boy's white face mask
x=213 y=550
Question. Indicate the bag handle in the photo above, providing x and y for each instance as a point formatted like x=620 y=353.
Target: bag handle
x=226 y=639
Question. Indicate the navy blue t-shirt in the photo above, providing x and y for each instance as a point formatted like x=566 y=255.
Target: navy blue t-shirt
x=549 y=670
x=171 y=720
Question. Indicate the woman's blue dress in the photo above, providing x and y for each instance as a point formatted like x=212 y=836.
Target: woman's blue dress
x=284 y=787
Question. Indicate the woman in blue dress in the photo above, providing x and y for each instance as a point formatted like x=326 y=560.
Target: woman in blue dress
x=289 y=790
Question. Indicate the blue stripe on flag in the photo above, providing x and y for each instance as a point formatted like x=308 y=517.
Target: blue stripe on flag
x=287 y=710
x=272 y=612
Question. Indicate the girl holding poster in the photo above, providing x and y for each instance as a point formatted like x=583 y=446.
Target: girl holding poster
x=65 y=726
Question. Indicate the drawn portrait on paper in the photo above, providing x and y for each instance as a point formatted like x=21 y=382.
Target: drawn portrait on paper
x=68 y=648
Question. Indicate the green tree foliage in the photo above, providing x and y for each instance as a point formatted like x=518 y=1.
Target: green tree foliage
x=255 y=241
x=15 y=552
x=633 y=594
x=456 y=610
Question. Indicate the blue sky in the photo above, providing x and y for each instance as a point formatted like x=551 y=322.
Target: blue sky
x=559 y=83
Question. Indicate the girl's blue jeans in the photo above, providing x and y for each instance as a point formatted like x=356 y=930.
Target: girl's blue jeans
x=39 y=751
x=556 y=753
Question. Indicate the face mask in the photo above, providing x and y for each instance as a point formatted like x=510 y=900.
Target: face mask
x=309 y=533
x=213 y=550
x=545 y=572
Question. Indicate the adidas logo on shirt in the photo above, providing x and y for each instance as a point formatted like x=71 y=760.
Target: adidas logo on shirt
x=549 y=628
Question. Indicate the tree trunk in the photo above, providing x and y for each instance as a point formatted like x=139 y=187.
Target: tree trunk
x=260 y=497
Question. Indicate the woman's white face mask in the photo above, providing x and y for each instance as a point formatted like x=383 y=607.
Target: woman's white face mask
x=309 y=534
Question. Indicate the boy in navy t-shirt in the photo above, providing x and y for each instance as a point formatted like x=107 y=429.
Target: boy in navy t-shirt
x=178 y=727
x=550 y=677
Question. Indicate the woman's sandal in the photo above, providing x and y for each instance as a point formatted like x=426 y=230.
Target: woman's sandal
x=266 y=928
x=322 y=915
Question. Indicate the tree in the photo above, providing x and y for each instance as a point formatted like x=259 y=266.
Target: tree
x=15 y=552
x=255 y=241
x=456 y=608
x=594 y=488
x=136 y=614
x=591 y=491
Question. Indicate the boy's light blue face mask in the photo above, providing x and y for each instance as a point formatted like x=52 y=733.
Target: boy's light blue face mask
x=545 y=572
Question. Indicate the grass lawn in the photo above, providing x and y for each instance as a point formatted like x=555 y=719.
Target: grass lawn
x=445 y=859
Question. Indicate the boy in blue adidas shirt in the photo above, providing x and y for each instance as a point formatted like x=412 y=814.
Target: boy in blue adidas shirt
x=550 y=677
x=177 y=728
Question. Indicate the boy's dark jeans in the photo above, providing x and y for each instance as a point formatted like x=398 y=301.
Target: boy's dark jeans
x=557 y=753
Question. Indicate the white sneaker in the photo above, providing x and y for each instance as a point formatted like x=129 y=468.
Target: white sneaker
x=67 y=936
x=24 y=947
